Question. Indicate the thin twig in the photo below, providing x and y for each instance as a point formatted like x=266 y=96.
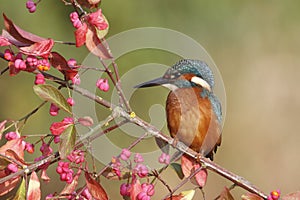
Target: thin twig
x=117 y=85
x=184 y=181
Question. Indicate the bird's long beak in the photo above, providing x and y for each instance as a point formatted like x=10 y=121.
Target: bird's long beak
x=154 y=82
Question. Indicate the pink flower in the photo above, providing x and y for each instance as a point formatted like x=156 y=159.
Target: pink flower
x=125 y=155
x=97 y=19
x=102 y=84
x=164 y=159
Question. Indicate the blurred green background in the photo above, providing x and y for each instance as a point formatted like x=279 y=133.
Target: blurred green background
x=255 y=45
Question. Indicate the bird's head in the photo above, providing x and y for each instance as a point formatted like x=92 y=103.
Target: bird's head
x=185 y=73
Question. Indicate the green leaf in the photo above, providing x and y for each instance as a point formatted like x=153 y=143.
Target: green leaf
x=21 y=193
x=53 y=95
x=67 y=141
x=178 y=170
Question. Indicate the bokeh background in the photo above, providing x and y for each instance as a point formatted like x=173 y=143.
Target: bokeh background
x=255 y=45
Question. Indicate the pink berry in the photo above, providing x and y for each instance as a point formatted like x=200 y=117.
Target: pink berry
x=124 y=189
x=125 y=154
x=74 y=16
x=141 y=170
x=31 y=6
x=72 y=63
x=164 y=159
x=11 y=136
x=12 y=167
x=39 y=79
x=56 y=139
x=102 y=84
x=71 y=101
x=20 y=64
x=29 y=147
x=53 y=110
x=8 y=55
x=76 y=80
x=138 y=158
x=59 y=169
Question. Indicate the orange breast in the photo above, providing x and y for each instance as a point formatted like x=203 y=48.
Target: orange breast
x=192 y=121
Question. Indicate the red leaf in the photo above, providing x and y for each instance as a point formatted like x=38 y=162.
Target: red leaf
x=86 y=121
x=135 y=189
x=94 y=44
x=95 y=188
x=80 y=35
x=292 y=196
x=9 y=185
x=19 y=34
x=186 y=165
x=34 y=190
x=57 y=128
x=16 y=145
x=41 y=48
x=189 y=166
x=250 y=196
x=60 y=63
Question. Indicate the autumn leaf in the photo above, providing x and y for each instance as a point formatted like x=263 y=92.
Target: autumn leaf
x=21 y=193
x=189 y=166
x=184 y=195
x=19 y=34
x=80 y=35
x=42 y=48
x=95 y=188
x=34 y=190
x=60 y=63
x=94 y=44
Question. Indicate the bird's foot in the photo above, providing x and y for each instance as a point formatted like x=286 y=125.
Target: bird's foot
x=198 y=157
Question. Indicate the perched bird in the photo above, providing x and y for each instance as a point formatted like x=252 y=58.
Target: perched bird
x=194 y=114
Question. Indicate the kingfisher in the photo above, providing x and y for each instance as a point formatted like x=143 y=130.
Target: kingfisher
x=193 y=111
